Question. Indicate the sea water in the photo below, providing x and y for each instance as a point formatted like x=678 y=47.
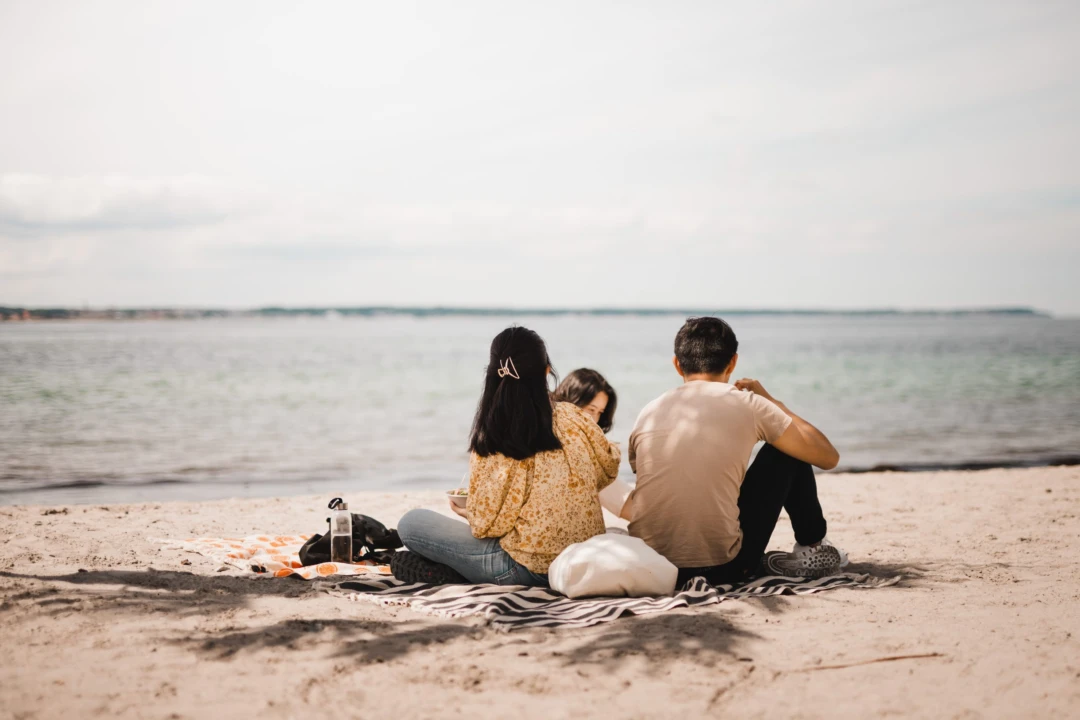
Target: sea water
x=199 y=409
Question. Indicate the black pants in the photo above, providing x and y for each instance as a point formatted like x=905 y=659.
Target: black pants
x=773 y=481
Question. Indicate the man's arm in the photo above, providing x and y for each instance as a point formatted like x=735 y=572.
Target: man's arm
x=801 y=440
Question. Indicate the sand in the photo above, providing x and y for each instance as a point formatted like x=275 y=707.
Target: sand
x=98 y=621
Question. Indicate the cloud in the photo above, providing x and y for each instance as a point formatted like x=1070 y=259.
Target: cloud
x=829 y=153
x=34 y=205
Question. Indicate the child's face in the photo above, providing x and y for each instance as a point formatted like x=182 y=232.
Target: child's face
x=596 y=406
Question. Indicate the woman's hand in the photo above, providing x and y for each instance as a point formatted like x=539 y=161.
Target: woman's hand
x=459 y=510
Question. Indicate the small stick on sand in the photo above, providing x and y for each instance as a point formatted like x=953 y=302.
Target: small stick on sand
x=868 y=662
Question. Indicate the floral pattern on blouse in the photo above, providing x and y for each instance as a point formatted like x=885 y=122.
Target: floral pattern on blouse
x=543 y=504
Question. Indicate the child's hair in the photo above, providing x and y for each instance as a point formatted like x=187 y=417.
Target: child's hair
x=581 y=386
x=514 y=417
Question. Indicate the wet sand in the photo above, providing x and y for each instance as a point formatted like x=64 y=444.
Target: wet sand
x=98 y=621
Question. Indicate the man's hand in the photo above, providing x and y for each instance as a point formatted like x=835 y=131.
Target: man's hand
x=751 y=385
x=801 y=440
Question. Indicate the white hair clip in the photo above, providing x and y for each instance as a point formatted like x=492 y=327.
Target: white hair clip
x=506 y=367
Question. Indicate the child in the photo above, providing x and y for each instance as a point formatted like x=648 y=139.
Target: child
x=597 y=399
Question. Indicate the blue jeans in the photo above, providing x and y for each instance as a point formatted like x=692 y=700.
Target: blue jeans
x=451 y=542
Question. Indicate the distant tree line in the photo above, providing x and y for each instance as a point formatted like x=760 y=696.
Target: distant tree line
x=22 y=313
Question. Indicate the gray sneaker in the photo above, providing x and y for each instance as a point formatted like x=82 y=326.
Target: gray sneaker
x=804 y=562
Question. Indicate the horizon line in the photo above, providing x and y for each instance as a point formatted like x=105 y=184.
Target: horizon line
x=181 y=311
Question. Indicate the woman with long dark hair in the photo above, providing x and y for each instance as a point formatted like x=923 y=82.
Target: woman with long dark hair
x=535 y=471
x=591 y=392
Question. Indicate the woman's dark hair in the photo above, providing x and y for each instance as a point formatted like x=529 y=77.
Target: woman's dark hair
x=705 y=345
x=581 y=386
x=514 y=414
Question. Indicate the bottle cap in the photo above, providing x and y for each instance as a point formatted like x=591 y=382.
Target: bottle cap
x=343 y=506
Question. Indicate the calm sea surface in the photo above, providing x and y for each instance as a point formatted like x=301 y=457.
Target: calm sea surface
x=131 y=411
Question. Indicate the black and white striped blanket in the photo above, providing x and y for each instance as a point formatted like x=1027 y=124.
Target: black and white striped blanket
x=510 y=607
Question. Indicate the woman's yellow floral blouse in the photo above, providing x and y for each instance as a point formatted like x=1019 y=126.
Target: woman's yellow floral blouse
x=541 y=505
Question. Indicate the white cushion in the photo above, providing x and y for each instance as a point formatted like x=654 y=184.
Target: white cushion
x=612 y=565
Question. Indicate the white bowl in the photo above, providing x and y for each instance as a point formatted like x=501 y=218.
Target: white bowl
x=457 y=499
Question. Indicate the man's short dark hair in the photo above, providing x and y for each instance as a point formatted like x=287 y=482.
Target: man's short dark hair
x=705 y=345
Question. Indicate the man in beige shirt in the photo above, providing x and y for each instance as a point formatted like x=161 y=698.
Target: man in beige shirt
x=696 y=502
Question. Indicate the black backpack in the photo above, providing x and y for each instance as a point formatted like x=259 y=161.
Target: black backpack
x=372 y=542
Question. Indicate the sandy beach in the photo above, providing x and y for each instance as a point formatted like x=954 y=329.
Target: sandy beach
x=99 y=621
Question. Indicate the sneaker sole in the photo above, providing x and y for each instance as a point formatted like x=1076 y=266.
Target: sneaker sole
x=821 y=564
x=411 y=568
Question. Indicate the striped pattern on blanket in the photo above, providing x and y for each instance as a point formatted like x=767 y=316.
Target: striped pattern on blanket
x=510 y=607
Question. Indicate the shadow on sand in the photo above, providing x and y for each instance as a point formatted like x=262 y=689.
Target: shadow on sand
x=704 y=636
x=910 y=573
x=704 y=639
x=181 y=594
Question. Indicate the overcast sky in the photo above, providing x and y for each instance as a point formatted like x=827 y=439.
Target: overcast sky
x=779 y=154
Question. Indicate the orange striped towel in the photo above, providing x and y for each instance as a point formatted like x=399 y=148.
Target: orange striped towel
x=271 y=555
